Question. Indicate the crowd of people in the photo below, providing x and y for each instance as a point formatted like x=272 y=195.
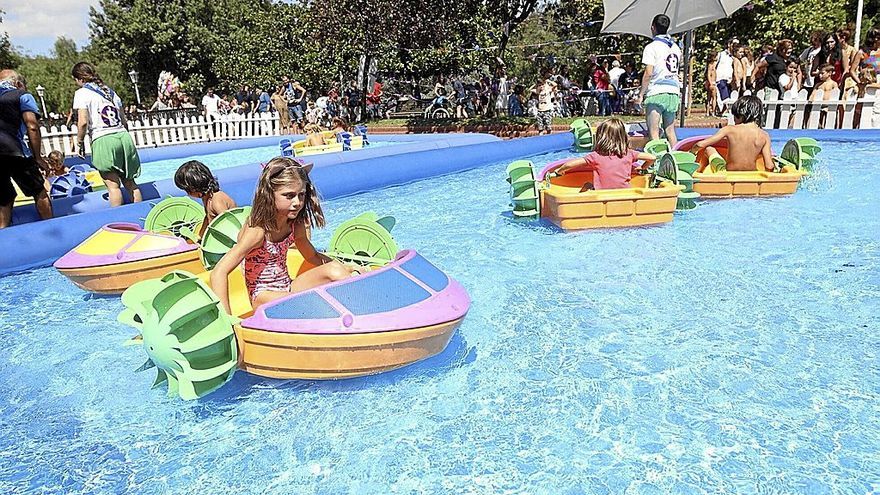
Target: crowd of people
x=829 y=63
x=830 y=66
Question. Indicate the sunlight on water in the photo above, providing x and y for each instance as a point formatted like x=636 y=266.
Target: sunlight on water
x=734 y=350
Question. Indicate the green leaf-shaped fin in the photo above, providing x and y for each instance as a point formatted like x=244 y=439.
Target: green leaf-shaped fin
x=583 y=135
x=799 y=153
x=186 y=333
x=365 y=240
x=174 y=215
x=657 y=147
x=524 y=193
x=221 y=234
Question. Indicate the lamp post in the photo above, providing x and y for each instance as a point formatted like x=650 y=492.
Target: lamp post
x=41 y=92
x=133 y=75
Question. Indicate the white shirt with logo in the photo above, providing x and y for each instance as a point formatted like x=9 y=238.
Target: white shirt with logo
x=666 y=59
x=105 y=116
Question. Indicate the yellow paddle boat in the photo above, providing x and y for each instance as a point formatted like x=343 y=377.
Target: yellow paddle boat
x=713 y=181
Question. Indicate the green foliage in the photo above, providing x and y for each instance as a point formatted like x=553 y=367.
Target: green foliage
x=228 y=43
x=8 y=58
x=53 y=73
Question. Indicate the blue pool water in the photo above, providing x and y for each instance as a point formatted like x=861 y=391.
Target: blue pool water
x=164 y=169
x=732 y=351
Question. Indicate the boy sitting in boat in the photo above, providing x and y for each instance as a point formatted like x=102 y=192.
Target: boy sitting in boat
x=611 y=161
x=746 y=140
x=314 y=136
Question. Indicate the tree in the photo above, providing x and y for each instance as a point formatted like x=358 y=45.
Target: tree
x=53 y=73
x=507 y=15
x=8 y=58
x=180 y=36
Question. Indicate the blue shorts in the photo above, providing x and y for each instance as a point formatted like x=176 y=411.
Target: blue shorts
x=295 y=112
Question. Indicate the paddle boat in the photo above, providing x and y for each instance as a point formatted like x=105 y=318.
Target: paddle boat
x=712 y=180
x=77 y=181
x=401 y=310
x=651 y=199
x=121 y=254
x=336 y=141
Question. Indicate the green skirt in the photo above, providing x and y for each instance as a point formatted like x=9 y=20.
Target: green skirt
x=116 y=153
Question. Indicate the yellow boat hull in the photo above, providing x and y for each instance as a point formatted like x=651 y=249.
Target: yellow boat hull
x=568 y=208
x=734 y=184
x=729 y=184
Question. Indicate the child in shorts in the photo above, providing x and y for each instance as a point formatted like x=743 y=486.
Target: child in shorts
x=747 y=142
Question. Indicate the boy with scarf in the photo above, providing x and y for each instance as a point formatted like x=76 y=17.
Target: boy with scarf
x=661 y=86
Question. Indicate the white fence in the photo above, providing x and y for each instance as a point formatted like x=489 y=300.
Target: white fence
x=819 y=113
x=196 y=129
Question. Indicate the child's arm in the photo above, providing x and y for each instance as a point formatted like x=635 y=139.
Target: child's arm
x=565 y=167
x=305 y=247
x=709 y=141
x=767 y=153
x=249 y=239
x=645 y=157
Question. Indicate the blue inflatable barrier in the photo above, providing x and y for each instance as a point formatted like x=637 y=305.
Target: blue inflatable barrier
x=335 y=175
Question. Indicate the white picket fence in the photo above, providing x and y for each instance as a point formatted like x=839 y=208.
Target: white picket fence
x=818 y=113
x=183 y=130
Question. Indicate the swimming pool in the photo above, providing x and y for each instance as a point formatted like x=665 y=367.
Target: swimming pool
x=733 y=350
x=164 y=169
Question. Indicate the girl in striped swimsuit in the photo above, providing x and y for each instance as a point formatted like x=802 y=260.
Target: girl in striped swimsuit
x=285 y=207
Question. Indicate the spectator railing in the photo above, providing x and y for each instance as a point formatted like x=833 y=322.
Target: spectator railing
x=169 y=131
x=834 y=113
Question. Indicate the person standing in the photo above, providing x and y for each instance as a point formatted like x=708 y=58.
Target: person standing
x=263 y=101
x=724 y=70
x=773 y=66
x=280 y=105
x=19 y=117
x=806 y=58
x=502 y=91
x=661 y=86
x=211 y=105
x=545 y=89
x=113 y=150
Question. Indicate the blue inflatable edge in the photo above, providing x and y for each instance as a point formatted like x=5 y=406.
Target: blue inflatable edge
x=38 y=244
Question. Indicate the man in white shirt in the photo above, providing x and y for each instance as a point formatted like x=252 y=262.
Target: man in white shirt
x=724 y=69
x=211 y=102
x=661 y=86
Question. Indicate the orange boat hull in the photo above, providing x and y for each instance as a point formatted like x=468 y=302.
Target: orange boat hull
x=333 y=356
x=114 y=279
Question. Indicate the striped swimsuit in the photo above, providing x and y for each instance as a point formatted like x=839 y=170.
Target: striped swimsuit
x=265 y=268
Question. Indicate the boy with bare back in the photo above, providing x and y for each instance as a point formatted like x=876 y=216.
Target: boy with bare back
x=746 y=140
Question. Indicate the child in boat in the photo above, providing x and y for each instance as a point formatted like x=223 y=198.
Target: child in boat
x=339 y=125
x=746 y=141
x=313 y=135
x=611 y=160
x=196 y=179
x=56 y=164
x=285 y=208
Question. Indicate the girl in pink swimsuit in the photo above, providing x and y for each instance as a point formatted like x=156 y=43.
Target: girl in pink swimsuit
x=285 y=207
